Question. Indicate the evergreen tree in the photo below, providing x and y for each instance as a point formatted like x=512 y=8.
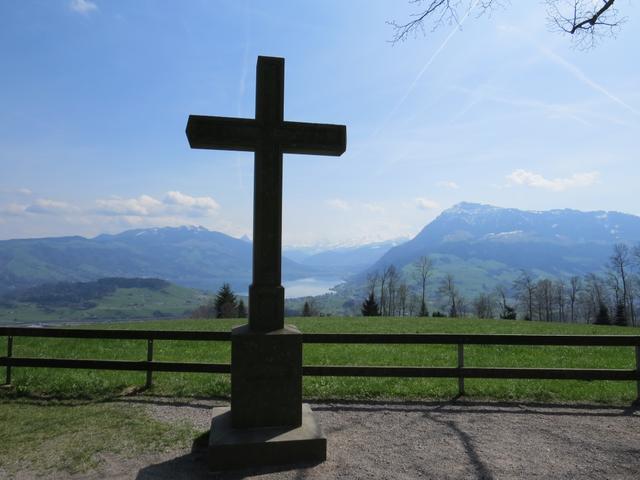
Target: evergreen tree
x=225 y=302
x=370 y=306
x=621 y=315
x=603 y=315
x=306 y=310
x=508 y=313
x=242 y=311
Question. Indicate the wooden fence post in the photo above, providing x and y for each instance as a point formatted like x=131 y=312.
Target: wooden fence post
x=460 y=365
x=149 y=359
x=9 y=355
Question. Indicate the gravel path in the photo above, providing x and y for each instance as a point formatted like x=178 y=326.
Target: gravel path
x=400 y=440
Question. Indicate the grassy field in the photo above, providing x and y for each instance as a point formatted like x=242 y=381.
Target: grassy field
x=99 y=384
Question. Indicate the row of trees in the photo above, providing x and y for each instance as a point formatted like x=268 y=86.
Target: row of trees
x=607 y=297
x=224 y=305
x=227 y=305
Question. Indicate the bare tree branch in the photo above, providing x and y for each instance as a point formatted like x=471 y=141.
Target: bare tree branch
x=585 y=20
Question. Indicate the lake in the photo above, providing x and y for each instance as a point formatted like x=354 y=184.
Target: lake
x=309 y=287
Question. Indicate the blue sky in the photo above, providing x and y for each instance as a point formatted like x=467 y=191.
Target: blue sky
x=95 y=96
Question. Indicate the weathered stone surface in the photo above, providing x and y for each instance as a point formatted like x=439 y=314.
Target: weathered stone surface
x=231 y=448
x=266 y=377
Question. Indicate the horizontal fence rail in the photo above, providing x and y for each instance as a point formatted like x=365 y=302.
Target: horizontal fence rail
x=474 y=339
x=472 y=372
x=460 y=371
x=114 y=334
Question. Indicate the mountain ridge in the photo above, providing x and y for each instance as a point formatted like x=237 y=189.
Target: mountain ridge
x=552 y=243
x=189 y=256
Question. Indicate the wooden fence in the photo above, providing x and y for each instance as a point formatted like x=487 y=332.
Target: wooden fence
x=459 y=371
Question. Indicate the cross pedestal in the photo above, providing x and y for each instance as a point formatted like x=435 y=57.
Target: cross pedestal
x=267 y=422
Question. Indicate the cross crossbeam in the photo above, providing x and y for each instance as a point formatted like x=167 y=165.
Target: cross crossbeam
x=246 y=134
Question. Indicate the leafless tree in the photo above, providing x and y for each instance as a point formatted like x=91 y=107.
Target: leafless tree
x=526 y=289
x=544 y=299
x=383 y=298
x=414 y=304
x=462 y=306
x=392 y=289
x=620 y=264
x=372 y=281
x=560 y=298
x=585 y=20
x=507 y=312
x=425 y=269
x=448 y=290
x=403 y=293
x=484 y=305
x=595 y=296
x=575 y=285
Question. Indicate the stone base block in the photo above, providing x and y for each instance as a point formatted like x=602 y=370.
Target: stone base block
x=235 y=448
x=266 y=377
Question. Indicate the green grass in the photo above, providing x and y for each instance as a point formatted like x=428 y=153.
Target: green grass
x=91 y=384
x=42 y=437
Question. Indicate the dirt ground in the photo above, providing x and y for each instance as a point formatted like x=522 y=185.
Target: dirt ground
x=440 y=440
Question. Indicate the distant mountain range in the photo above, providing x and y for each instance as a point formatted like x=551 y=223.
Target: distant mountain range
x=188 y=256
x=341 y=260
x=483 y=245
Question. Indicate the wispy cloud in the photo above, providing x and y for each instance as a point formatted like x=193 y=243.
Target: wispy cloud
x=16 y=191
x=426 y=204
x=142 y=206
x=338 y=204
x=44 y=206
x=197 y=203
x=85 y=7
x=12 y=210
x=374 y=207
x=535 y=180
x=448 y=184
x=173 y=203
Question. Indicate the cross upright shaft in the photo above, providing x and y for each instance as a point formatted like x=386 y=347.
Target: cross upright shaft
x=269 y=136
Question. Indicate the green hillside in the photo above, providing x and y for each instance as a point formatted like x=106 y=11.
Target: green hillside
x=162 y=300
x=189 y=256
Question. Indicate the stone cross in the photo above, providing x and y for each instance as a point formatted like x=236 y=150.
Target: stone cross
x=267 y=422
x=269 y=136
